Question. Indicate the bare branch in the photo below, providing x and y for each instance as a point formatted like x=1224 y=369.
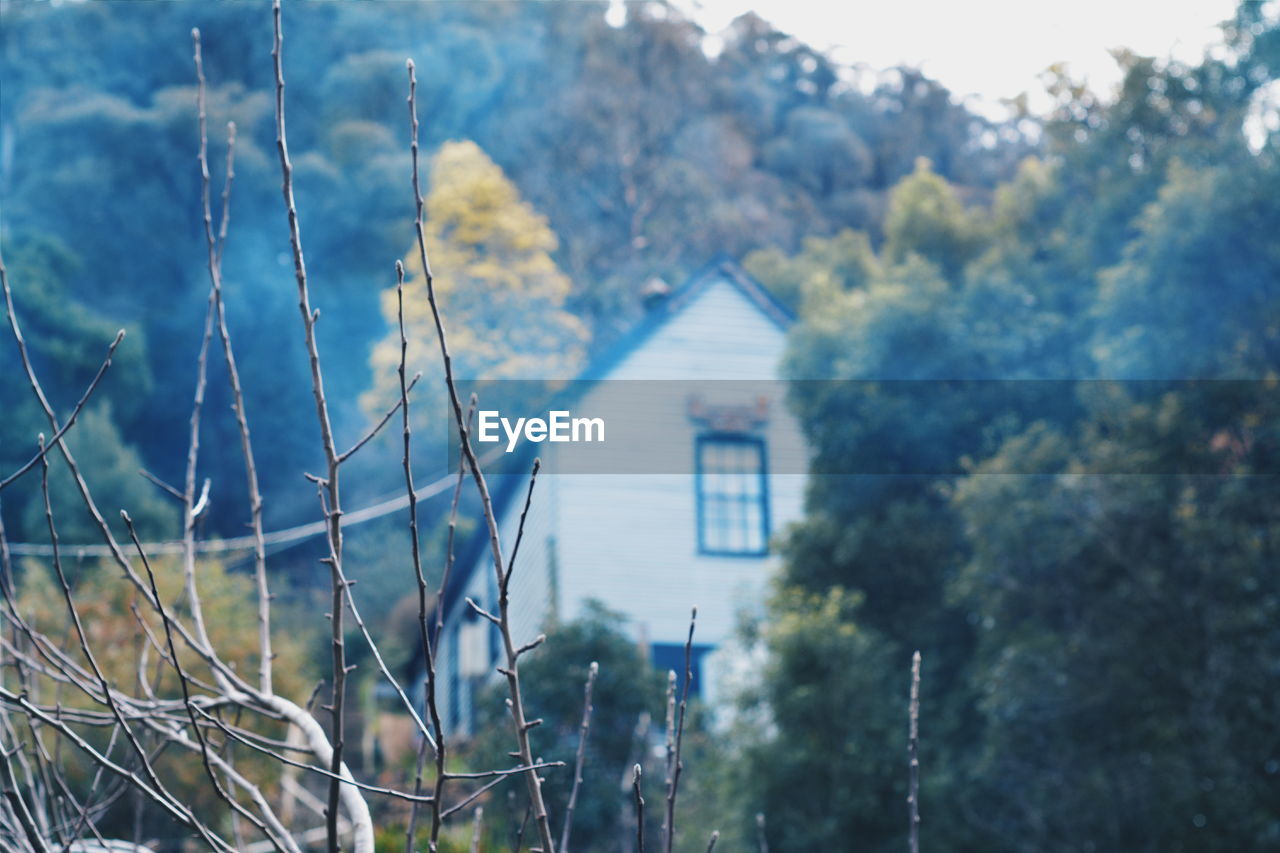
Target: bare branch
x=215 y=246
x=17 y=804
x=373 y=432
x=533 y=780
x=70 y=422
x=480 y=611
x=592 y=672
x=82 y=638
x=240 y=737
x=675 y=766
x=913 y=755
x=160 y=484
x=363 y=843
x=639 y=801
x=205 y=755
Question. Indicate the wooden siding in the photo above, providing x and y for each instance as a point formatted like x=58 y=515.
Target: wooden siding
x=631 y=541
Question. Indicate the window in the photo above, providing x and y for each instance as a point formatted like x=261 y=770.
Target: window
x=733 y=498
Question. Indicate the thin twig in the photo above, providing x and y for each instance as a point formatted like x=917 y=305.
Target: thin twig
x=193 y=440
x=524 y=822
x=70 y=422
x=592 y=672
x=511 y=672
x=639 y=801
x=675 y=766
x=364 y=841
x=156 y=786
x=215 y=246
x=502 y=776
x=160 y=484
x=377 y=428
x=240 y=737
x=711 y=845
x=913 y=755
x=17 y=804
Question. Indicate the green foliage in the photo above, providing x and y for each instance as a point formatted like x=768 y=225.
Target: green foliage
x=1097 y=648
x=1088 y=631
x=824 y=267
x=826 y=779
x=642 y=153
x=1123 y=621
x=926 y=218
x=1201 y=258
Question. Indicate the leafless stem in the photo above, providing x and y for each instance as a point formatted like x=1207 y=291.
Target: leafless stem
x=377 y=428
x=113 y=547
x=511 y=671
x=183 y=812
x=581 y=757
x=302 y=765
x=762 y=844
x=675 y=766
x=160 y=484
x=215 y=246
x=711 y=845
x=193 y=440
x=913 y=756
x=13 y=796
x=334 y=512
x=639 y=801
x=524 y=823
x=71 y=419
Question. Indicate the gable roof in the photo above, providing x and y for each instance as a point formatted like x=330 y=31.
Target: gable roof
x=723 y=268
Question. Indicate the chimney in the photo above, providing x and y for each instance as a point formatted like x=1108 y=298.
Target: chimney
x=654 y=293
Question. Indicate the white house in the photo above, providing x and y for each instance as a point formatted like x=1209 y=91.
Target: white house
x=679 y=520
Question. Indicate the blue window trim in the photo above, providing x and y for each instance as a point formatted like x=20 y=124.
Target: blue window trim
x=732 y=438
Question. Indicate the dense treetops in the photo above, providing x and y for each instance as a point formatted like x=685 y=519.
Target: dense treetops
x=607 y=155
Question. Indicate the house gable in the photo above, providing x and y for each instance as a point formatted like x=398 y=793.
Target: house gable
x=633 y=541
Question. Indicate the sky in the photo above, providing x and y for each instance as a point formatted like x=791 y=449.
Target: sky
x=992 y=49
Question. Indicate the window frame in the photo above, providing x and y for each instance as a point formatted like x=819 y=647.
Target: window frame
x=699 y=495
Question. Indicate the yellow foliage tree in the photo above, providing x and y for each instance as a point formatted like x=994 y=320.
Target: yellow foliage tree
x=500 y=291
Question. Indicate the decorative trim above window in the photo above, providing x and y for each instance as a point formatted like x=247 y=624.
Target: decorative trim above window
x=732 y=495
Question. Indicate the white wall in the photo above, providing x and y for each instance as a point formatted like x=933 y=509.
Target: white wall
x=630 y=540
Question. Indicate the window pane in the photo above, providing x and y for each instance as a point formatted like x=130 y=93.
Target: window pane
x=733 y=518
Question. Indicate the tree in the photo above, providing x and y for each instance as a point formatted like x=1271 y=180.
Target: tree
x=927 y=219
x=1190 y=298
x=825 y=267
x=1123 y=622
x=491 y=253
x=831 y=735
